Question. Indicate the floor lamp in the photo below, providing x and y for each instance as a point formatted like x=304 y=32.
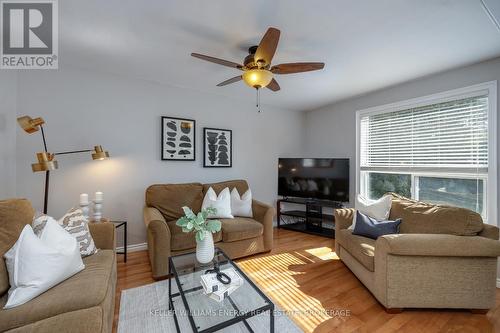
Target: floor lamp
x=46 y=160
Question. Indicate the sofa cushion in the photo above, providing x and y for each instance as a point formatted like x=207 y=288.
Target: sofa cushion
x=14 y=215
x=170 y=198
x=425 y=218
x=185 y=240
x=240 y=185
x=361 y=248
x=240 y=228
x=83 y=290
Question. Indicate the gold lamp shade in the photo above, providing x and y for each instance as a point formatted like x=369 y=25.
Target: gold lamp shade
x=29 y=124
x=46 y=162
x=257 y=78
x=99 y=154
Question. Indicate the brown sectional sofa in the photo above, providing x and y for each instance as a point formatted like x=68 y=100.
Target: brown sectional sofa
x=82 y=303
x=239 y=237
x=444 y=257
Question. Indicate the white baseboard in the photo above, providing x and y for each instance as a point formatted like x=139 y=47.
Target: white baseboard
x=498 y=282
x=134 y=247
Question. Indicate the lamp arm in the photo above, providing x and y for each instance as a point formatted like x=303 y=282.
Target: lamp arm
x=73 y=152
x=43 y=138
x=47 y=173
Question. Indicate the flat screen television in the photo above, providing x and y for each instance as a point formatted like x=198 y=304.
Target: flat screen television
x=314 y=178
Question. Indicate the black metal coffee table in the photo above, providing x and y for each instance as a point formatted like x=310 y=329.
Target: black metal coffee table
x=205 y=314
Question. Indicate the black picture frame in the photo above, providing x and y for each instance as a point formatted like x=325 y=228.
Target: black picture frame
x=217 y=161
x=177 y=136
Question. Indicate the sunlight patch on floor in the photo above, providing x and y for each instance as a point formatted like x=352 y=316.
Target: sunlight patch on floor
x=323 y=253
x=274 y=274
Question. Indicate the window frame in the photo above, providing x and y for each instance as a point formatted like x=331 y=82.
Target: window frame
x=486 y=88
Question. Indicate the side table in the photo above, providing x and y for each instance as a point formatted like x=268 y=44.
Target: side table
x=123 y=224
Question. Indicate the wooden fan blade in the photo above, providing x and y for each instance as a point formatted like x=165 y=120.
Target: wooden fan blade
x=217 y=60
x=232 y=80
x=273 y=85
x=297 y=67
x=267 y=47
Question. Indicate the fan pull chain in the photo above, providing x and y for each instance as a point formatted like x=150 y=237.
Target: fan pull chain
x=258 y=100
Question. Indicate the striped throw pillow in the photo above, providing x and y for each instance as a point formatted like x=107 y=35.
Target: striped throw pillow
x=39 y=222
x=75 y=223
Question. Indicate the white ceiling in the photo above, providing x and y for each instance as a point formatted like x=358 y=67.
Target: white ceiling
x=366 y=44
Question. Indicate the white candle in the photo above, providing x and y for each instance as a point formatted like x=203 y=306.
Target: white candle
x=84 y=199
x=98 y=196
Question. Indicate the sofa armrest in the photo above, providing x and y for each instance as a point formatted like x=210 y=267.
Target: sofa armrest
x=264 y=214
x=489 y=231
x=437 y=245
x=343 y=218
x=158 y=241
x=103 y=234
x=152 y=214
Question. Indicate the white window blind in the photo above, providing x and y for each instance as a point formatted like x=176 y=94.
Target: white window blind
x=444 y=135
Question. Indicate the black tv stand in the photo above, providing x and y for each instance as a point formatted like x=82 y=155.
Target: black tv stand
x=310 y=220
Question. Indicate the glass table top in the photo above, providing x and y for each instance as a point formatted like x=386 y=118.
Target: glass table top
x=205 y=311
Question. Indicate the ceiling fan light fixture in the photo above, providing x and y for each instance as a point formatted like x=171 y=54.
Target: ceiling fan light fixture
x=257 y=71
x=257 y=78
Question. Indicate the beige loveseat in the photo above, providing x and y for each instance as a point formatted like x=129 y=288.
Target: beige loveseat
x=444 y=257
x=83 y=303
x=239 y=237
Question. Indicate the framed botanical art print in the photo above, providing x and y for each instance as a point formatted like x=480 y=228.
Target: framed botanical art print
x=217 y=148
x=178 y=139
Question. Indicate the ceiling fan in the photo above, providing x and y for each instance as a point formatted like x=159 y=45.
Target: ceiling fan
x=257 y=70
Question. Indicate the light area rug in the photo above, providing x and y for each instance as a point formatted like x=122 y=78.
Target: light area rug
x=145 y=310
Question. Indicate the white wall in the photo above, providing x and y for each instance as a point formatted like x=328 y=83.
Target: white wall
x=83 y=108
x=8 y=91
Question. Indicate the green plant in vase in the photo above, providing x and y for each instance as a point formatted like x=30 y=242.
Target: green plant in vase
x=203 y=228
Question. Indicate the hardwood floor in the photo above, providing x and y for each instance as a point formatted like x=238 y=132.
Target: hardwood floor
x=304 y=277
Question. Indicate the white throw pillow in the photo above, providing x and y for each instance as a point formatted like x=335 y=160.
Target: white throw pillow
x=241 y=206
x=377 y=209
x=222 y=203
x=37 y=264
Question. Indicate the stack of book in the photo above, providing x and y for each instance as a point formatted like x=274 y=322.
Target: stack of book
x=217 y=290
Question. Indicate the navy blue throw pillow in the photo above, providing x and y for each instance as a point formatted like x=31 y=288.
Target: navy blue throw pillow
x=369 y=227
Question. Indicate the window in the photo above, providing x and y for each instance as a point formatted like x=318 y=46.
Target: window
x=436 y=149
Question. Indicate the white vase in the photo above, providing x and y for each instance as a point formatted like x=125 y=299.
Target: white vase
x=205 y=249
